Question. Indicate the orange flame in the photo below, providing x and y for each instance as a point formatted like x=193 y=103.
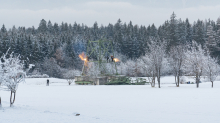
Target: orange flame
x=116 y=60
x=82 y=56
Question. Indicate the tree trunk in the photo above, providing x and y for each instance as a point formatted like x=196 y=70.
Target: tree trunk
x=212 y=84
x=197 y=80
x=158 y=78
x=0 y=102
x=159 y=83
x=153 y=82
x=175 y=80
x=12 y=102
x=178 y=81
x=10 y=99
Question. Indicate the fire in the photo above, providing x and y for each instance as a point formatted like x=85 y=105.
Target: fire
x=83 y=57
x=116 y=60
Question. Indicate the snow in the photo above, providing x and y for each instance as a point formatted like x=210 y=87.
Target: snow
x=59 y=103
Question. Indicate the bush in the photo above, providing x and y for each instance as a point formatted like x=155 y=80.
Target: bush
x=120 y=81
x=38 y=76
x=139 y=81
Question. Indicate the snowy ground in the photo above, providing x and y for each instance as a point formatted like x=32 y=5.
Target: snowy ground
x=59 y=102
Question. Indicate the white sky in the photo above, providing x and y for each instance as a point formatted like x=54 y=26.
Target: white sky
x=142 y=12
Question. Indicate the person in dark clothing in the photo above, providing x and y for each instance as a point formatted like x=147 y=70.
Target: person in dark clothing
x=47 y=82
x=112 y=57
x=107 y=58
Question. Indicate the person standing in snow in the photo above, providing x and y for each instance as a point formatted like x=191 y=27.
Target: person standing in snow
x=47 y=82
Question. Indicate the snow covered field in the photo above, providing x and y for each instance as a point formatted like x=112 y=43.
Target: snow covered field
x=59 y=102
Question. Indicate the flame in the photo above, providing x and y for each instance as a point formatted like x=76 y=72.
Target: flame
x=116 y=60
x=82 y=56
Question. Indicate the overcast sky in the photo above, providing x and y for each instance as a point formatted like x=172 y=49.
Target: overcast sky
x=28 y=13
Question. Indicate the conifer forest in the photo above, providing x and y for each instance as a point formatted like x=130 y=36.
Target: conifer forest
x=54 y=48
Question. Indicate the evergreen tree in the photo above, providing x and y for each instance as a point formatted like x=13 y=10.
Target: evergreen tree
x=188 y=32
x=118 y=40
x=50 y=27
x=181 y=33
x=199 y=33
x=3 y=29
x=42 y=26
x=36 y=52
x=173 y=38
x=29 y=48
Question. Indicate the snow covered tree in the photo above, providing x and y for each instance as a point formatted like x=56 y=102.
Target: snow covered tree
x=211 y=69
x=176 y=60
x=172 y=31
x=42 y=26
x=3 y=29
x=50 y=67
x=131 y=68
x=157 y=52
x=13 y=73
x=93 y=70
x=149 y=68
x=181 y=32
x=1 y=79
x=70 y=75
x=199 y=33
x=35 y=52
x=195 y=62
x=218 y=28
x=118 y=43
x=122 y=68
x=211 y=42
x=188 y=31
x=56 y=28
x=50 y=27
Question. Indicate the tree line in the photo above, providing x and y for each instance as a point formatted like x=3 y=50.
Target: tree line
x=54 y=48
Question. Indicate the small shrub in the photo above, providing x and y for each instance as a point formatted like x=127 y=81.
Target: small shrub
x=120 y=81
x=38 y=76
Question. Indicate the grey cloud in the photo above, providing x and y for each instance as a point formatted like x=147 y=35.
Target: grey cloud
x=51 y=4
x=29 y=13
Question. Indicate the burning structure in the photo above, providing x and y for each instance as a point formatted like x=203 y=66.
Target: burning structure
x=99 y=64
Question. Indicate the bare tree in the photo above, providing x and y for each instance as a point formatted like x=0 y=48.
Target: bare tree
x=132 y=68
x=122 y=68
x=211 y=69
x=195 y=62
x=70 y=75
x=93 y=70
x=150 y=71
x=157 y=52
x=13 y=74
x=176 y=60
